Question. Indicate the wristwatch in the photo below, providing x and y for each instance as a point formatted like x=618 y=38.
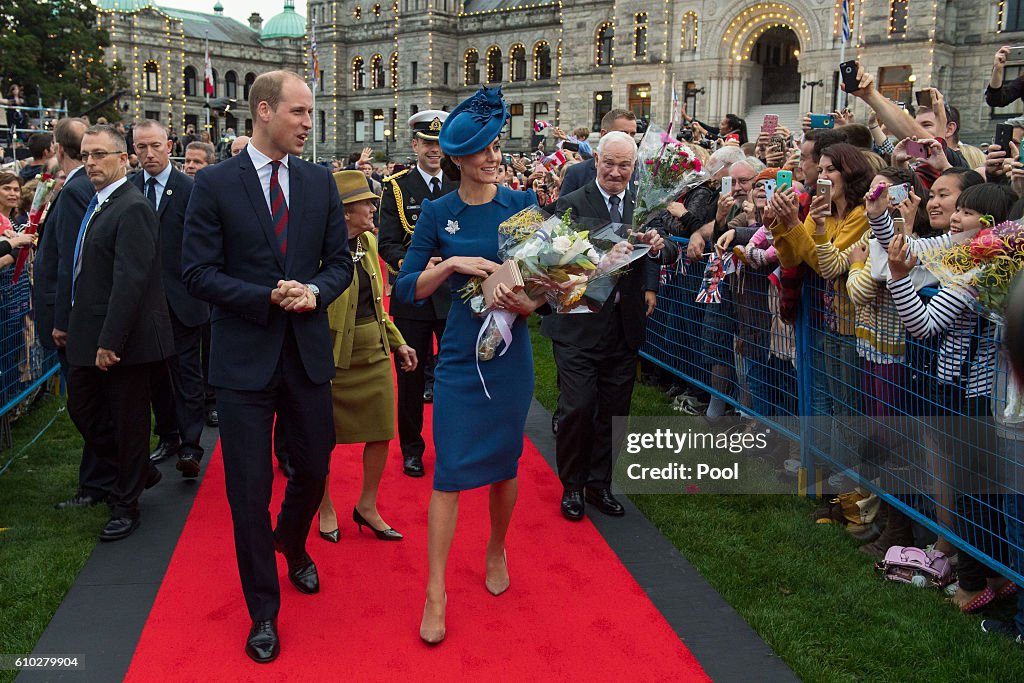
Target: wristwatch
x=316 y=292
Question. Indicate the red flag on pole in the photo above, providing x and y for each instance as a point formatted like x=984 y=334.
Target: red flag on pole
x=208 y=83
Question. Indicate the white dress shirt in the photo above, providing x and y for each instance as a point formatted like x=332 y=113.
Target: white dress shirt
x=161 y=183
x=608 y=204
x=427 y=178
x=261 y=162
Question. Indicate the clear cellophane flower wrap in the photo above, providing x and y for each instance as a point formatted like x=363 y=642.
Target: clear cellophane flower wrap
x=983 y=266
x=666 y=170
x=573 y=262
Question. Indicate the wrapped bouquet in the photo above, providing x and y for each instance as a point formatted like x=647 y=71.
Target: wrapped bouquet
x=40 y=204
x=574 y=263
x=666 y=169
x=983 y=267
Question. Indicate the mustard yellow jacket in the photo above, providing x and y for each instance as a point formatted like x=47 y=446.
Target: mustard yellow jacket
x=342 y=312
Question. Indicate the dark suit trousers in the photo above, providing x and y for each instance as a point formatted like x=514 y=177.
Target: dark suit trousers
x=111 y=410
x=178 y=399
x=246 y=424
x=419 y=334
x=96 y=475
x=596 y=385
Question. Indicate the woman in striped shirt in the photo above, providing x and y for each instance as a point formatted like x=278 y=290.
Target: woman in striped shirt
x=964 y=374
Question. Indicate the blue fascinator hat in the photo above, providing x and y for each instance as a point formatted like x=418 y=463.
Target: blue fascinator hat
x=474 y=123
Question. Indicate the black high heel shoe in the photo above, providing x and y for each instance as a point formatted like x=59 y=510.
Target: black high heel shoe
x=332 y=536
x=385 y=535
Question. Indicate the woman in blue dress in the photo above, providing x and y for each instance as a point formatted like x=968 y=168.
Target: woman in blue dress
x=478 y=440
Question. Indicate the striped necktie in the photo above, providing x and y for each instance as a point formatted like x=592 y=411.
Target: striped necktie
x=278 y=209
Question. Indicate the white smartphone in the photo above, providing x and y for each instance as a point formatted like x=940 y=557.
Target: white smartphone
x=769 y=189
x=727 y=185
x=824 y=189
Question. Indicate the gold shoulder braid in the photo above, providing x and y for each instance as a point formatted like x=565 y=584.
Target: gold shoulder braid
x=400 y=205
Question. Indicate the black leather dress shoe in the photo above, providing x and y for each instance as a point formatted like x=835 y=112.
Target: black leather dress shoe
x=79 y=500
x=301 y=570
x=412 y=465
x=212 y=418
x=604 y=501
x=188 y=464
x=572 y=505
x=263 y=645
x=154 y=476
x=302 y=574
x=119 y=527
x=164 y=450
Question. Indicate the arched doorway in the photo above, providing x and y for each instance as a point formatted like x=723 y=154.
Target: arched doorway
x=777 y=52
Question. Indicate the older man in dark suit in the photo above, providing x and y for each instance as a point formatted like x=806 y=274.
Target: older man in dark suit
x=54 y=261
x=178 y=400
x=266 y=243
x=578 y=175
x=118 y=327
x=596 y=353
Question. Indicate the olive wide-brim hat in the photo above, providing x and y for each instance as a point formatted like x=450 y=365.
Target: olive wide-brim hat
x=352 y=187
x=475 y=123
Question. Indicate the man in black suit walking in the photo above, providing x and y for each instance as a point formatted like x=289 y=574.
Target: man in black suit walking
x=118 y=328
x=53 y=262
x=596 y=353
x=403 y=194
x=266 y=243
x=178 y=400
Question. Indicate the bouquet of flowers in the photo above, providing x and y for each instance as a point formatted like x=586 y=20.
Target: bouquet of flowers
x=667 y=168
x=983 y=267
x=40 y=204
x=573 y=265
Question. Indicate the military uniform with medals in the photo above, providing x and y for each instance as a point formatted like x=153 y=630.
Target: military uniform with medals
x=400 y=204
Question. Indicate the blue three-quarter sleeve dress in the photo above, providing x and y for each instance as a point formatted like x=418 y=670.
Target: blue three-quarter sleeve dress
x=478 y=440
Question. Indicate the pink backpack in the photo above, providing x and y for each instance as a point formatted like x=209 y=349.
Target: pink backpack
x=907 y=564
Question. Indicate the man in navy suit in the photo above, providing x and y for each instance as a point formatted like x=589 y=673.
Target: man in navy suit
x=53 y=263
x=266 y=243
x=178 y=400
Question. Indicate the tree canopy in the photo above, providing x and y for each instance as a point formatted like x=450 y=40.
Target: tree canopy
x=54 y=50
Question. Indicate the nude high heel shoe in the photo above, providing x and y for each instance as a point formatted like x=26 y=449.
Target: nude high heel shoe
x=433 y=635
x=496 y=588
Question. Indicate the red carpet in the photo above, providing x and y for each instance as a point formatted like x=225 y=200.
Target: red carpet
x=573 y=612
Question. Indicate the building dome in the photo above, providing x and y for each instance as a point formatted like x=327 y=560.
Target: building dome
x=123 y=5
x=287 y=24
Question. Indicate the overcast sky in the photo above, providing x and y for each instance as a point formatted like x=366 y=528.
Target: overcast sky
x=236 y=9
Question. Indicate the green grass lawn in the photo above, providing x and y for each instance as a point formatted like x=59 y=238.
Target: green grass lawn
x=805 y=588
x=41 y=549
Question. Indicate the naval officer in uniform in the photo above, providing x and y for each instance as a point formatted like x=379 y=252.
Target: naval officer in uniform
x=403 y=194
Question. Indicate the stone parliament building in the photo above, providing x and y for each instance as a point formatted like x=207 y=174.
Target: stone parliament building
x=562 y=61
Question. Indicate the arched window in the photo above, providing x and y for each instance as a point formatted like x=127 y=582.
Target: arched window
x=688 y=36
x=376 y=71
x=897 y=16
x=517 y=62
x=394 y=69
x=358 y=74
x=603 y=40
x=376 y=10
x=250 y=78
x=230 y=85
x=357 y=12
x=190 y=81
x=152 y=70
x=640 y=34
x=216 y=80
x=541 y=61
x=471 y=62
x=494 y=65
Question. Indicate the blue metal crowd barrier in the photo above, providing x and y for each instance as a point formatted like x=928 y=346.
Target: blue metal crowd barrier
x=24 y=364
x=868 y=401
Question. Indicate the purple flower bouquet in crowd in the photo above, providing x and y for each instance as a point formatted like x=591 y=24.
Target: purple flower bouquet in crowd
x=667 y=169
x=573 y=262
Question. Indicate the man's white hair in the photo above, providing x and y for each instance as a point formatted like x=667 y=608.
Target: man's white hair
x=614 y=137
x=727 y=156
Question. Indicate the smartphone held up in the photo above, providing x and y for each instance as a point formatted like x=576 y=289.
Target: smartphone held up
x=824 y=189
